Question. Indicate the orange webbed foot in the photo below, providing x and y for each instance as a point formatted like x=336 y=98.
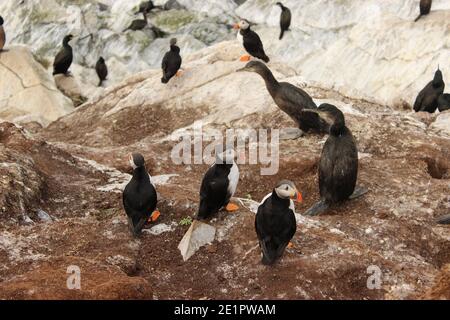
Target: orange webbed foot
x=245 y=58
x=179 y=73
x=231 y=207
x=154 y=216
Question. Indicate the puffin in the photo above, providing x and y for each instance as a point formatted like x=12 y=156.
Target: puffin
x=171 y=62
x=444 y=102
x=138 y=24
x=338 y=165
x=219 y=185
x=290 y=99
x=102 y=70
x=139 y=196
x=285 y=19
x=427 y=99
x=64 y=58
x=2 y=34
x=251 y=41
x=275 y=222
x=425 y=7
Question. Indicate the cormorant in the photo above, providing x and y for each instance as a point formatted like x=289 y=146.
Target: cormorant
x=427 y=99
x=275 y=222
x=2 y=34
x=425 y=7
x=147 y=6
x=290 y=99
x=102 y=70
x=285 y=19
x=251 y=41
x=64 y=58
x=138 y=24
x=338 y=166
x=171 y=62
x=444 y=102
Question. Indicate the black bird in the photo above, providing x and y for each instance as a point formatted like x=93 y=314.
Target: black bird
x=147 y=6
x=219 y=185
x=64 y=58
x=251 y=41
x=275 y=222
x=138 y=24
x=139 y=197
x=425 y=7
x=285 y=19
x=171 y=62
x=2 y=34
x=427 y=99
x=445 y=219
x=338 y=166
x=290 y=99
x=444 y=102
x=102 y=70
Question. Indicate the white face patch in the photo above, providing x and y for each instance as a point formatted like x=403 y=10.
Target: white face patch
x=284 y=191
x=244 y=25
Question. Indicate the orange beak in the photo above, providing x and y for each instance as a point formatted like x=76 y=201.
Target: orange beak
x=298 y=197
x=236 y=26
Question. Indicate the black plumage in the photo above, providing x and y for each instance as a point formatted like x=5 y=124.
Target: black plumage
x=290 y=99
x=275 y=222
x=285 y=19
x=171 y=62
x=138 y=24
x=147 y=6
x=425 y=7
x=251 y=41
x=102 y=70
x=427 y=99
x=139 y=196
x=2 y=34
x=444 y=102
x=64 y=58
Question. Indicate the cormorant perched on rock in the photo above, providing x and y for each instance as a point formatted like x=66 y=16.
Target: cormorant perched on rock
x=2 y=34
x=275 y=222
x=64 y=58
x=138 y=24
x=147 y=6
x=102 y=70
x=251 y=41
x=425 y=7
x=171 y=62
x=444 y=102
x=338 y=166
x=285 y=19
x=290 y=99
x=427 y=100
x=219 y=185
x=139 y=197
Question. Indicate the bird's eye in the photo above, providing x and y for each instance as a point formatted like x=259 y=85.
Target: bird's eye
x=287 y=188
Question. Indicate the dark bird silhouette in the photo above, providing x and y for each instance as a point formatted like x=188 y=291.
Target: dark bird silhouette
x=102 y=70
x=138 y=24
x=427 y=99
x=275 y=222
x=147 y=6
x=64 y=58
x=251 y=41
x=425 y=7
x=290 y=99
x=171 y=62
x=139 y=196
x=285 y=19
x=445 y=219
x=444 y=102
x=338 y=166
x=2 y=34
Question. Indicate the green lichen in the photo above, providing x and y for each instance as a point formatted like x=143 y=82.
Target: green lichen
x=172 y=20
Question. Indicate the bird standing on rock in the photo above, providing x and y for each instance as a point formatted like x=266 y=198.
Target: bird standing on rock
x=102 y=70
x=2 y=34
x=171 y=62
x=290 y=99
x=139 y=196
x=285 y=19
x=138 y=24
x=427 y=99
x=444 y=102
x=64 y=58
x=275 y=222
x=425 y=7
x=251 y=41
x=147 y=6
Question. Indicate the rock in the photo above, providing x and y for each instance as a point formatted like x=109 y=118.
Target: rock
x=70 y=88
x=28 y=93
x=198 y=235
x=442 y=123
x=290 y=133
x=44 y=216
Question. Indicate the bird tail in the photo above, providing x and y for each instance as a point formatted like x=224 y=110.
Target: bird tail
x=420 y=15
x=164 y=80
x=281 y=34
x=100 y=83
x=266 y=59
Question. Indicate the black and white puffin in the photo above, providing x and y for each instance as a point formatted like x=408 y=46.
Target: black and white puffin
x=102 y=70
x=275 y=222
x=290 y=99
x=444 y=102
x=171 y=62
x=425 y=7
x=139 y=196
x=285 y=19
x=427 y=99
x=251 y=41
x=64 y=58
x=219 y=185
x=338 y=166
x=2 y=34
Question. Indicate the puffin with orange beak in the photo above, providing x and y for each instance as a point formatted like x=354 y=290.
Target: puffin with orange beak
x=275 y=222
x=139 y=197
x=251 y=41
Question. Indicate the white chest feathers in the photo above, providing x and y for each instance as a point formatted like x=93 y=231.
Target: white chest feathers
x=233 y=178
x=239 y=37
